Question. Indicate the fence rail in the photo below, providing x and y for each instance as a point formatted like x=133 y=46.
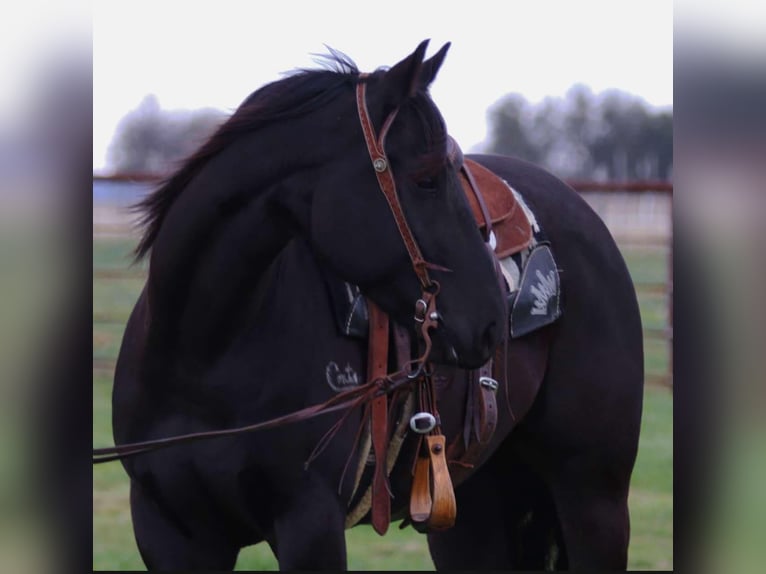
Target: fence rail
x=628 y=233
x=639 y=186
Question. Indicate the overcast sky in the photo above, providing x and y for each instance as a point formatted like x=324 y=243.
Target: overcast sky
x=213 y=54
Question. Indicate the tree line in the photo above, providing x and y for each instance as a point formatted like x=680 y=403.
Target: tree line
x=150 y=139
x=608 y=136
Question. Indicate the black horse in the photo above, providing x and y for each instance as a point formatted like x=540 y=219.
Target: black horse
x=235 y=326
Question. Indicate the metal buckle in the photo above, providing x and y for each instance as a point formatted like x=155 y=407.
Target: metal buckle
x=428 y=418
x=420 y=316
x=417 y=372
x=488 y=382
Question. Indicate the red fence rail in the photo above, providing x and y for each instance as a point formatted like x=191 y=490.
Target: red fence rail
x=578 y=184
x=639 y=186
x=581 y=186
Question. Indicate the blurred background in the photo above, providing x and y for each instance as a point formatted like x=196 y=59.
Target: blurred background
x=569 y=86
x=720 y=272
x=98 y=102
x=45 y=245
x=575 y=87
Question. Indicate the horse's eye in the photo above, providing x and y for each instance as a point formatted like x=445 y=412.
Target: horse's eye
x=427 y=183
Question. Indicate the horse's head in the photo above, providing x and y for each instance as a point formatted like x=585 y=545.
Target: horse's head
x=395 y=253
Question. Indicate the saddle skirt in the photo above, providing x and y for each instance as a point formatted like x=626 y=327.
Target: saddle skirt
x=511 y=227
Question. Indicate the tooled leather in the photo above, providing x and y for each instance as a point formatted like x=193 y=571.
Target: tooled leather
x=491 y=199
x=485 y=416
x=473 y=187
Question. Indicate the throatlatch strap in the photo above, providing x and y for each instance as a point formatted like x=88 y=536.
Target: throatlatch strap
x=377 y=369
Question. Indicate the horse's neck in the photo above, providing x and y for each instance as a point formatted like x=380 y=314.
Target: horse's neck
x=216 y=242
x=229 y=183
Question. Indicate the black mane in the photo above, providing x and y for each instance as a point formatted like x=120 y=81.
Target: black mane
x=300 y=92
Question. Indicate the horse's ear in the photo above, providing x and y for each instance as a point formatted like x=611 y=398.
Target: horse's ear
x=432 y=65
x=402 y=80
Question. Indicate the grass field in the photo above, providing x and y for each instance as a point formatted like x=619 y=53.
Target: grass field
x=115 y=289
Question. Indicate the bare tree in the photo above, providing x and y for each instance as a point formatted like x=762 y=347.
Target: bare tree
x=613 y=135
x=152 y=140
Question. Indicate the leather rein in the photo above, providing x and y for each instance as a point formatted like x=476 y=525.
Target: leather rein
x=380 y=384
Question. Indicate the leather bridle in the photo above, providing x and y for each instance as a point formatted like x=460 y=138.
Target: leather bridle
x=425 y=307
x=382 y=167
x=379 y=386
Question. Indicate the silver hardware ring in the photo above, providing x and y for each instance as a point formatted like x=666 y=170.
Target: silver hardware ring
x=428 y=418
x=420 y=317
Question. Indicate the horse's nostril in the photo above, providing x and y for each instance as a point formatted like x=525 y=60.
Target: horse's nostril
x=490 y=337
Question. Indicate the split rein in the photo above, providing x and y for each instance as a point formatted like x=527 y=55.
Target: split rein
x=349 y=399
x=425 y=314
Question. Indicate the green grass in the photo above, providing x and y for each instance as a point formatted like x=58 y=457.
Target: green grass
x=114 y=253
x=733 y=537
x=397 y=550
x=646 y=264
x=651 y=497
x=651 y=494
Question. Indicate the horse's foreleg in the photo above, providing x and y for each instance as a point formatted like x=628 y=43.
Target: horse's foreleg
x=477 y=540
x=309 y=530
x=167 y=544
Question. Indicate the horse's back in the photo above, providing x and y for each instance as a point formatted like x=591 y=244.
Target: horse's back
x=566 y=218
x=596 y=354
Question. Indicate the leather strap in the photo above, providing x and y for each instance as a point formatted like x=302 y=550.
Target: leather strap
x=403 y=351
x=487 y=230
x=485 y=413
x=481 y=407
x=377 y=357
x=480 y=418
x=382 y=167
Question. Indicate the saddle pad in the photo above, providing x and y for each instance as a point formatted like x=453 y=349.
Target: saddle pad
x=349 y=306
x=536 y=301
x=531 y=277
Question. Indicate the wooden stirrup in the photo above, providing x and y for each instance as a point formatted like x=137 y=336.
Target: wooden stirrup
x=432 y=500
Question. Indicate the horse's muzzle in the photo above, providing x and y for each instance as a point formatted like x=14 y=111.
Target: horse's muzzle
x=465 y=352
